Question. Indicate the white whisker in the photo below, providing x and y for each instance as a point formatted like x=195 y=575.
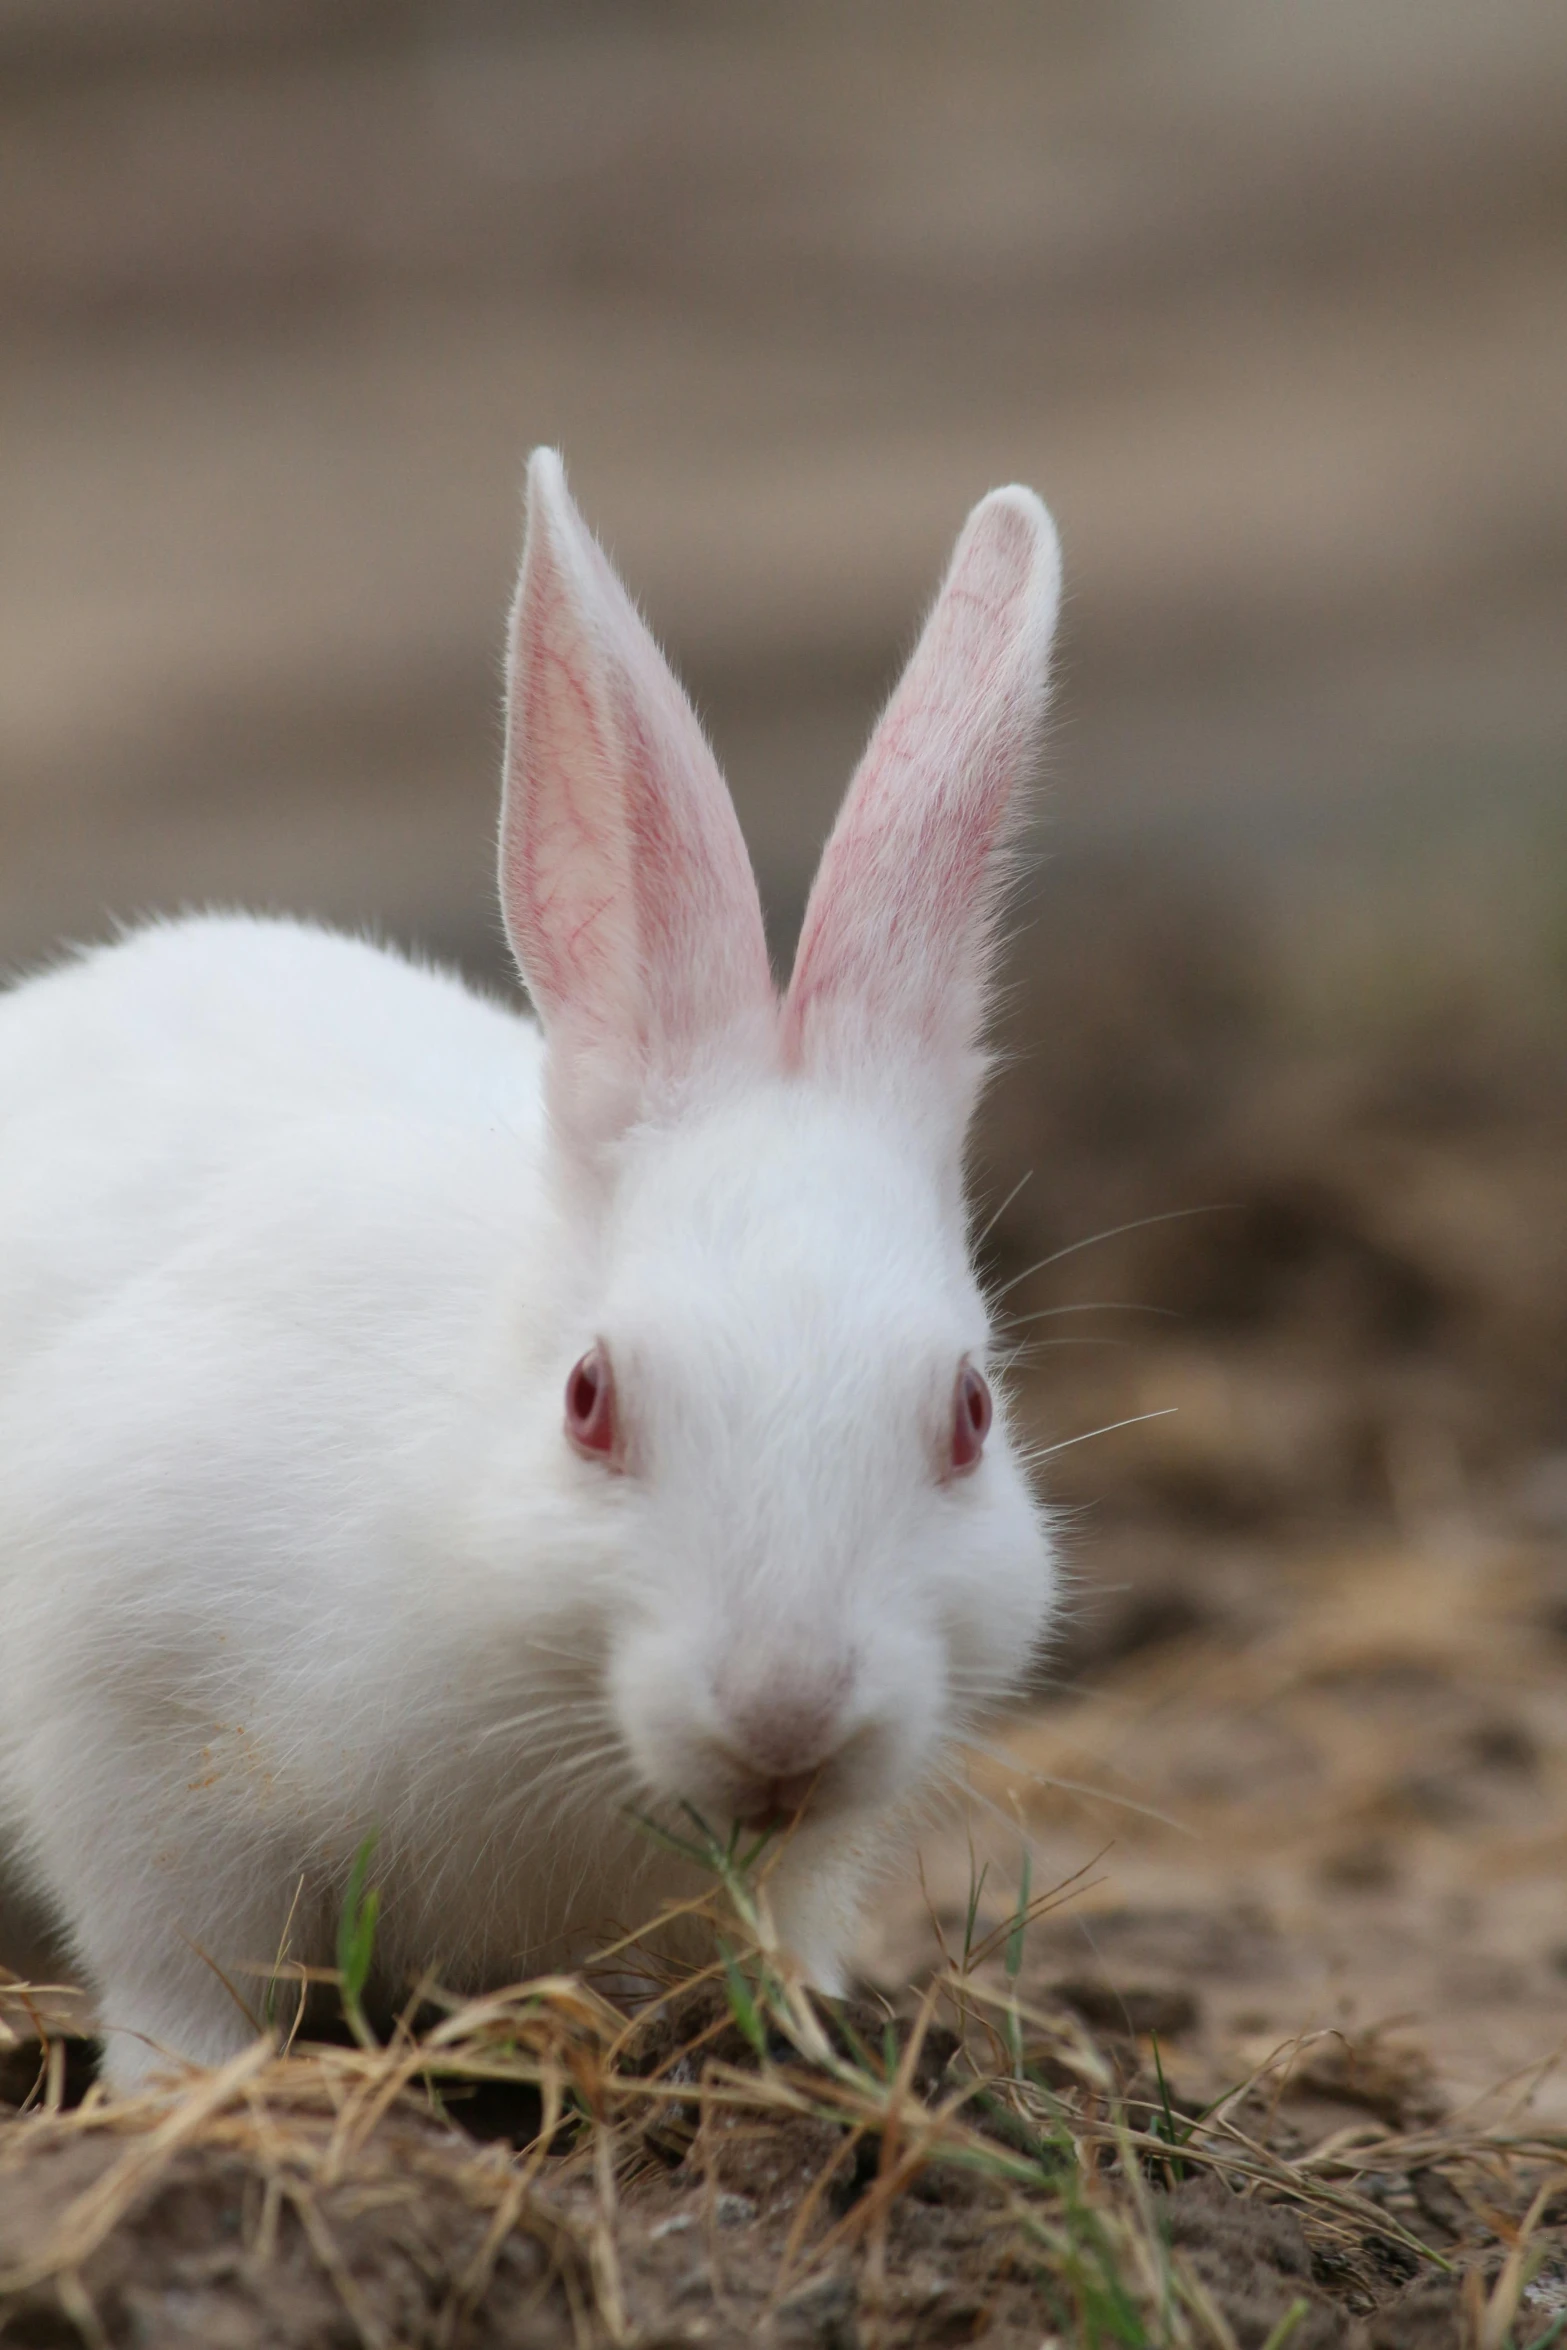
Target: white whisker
x=1104 y=1306
x=1112 y=1232
x=593 y=1713
x=989 y=1226
x=1043 y=1452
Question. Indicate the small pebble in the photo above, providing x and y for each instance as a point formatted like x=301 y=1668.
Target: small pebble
x=673 y=2226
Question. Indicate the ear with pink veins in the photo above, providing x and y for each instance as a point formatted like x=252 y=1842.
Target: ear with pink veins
x=627 y=891
x=891 y=976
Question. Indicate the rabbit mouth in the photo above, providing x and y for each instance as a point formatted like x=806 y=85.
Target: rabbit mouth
x=781 y=1803
x=789 y=1801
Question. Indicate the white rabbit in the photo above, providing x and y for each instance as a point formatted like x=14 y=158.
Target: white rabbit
x=413 y=1422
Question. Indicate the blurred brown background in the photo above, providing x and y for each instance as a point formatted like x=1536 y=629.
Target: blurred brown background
x=1270 y=302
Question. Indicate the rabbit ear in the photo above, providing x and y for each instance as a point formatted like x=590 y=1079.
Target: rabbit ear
x=627 y=891
x=890 y=978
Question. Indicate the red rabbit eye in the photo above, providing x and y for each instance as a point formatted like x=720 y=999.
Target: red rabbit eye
x=590 y=1405
x=972 y=1413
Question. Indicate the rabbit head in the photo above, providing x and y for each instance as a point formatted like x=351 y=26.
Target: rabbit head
x=774 y=1374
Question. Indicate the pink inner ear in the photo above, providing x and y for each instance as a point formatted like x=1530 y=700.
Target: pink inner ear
x=551 y=842
x=703 y=955
x=626 y=884
x=895 y=936
x=900 y=886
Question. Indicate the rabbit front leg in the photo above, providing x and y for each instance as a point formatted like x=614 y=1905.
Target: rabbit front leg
x=167 y=1995
x=815 y=1898
x=175 y=1949
x=153 y=2020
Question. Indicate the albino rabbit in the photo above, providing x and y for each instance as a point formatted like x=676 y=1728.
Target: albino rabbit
x=413 y=1419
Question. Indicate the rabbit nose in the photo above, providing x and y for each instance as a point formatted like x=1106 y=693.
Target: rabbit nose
x=784 y=1740
x=784 y=1727
x=781 y=1746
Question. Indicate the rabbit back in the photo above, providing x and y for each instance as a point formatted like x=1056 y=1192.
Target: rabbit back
x=139 y=1078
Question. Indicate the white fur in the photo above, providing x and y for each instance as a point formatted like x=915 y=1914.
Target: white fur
x=298 y=1243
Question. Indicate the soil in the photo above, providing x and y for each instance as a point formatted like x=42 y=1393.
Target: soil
x=387 y=2254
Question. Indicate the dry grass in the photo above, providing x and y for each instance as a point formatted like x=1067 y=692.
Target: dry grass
x=810 y=2149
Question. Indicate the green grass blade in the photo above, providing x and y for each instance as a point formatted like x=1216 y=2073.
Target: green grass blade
x=742 y=2006
x=356 y=1926
x=1013 y=1961
x=976 y=1886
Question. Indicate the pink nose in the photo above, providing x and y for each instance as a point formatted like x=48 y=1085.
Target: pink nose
x=781 y=1736
x=778 y=1748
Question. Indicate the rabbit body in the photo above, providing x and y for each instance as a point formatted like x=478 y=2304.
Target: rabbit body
x=299 y=1244
x=267 y=1197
